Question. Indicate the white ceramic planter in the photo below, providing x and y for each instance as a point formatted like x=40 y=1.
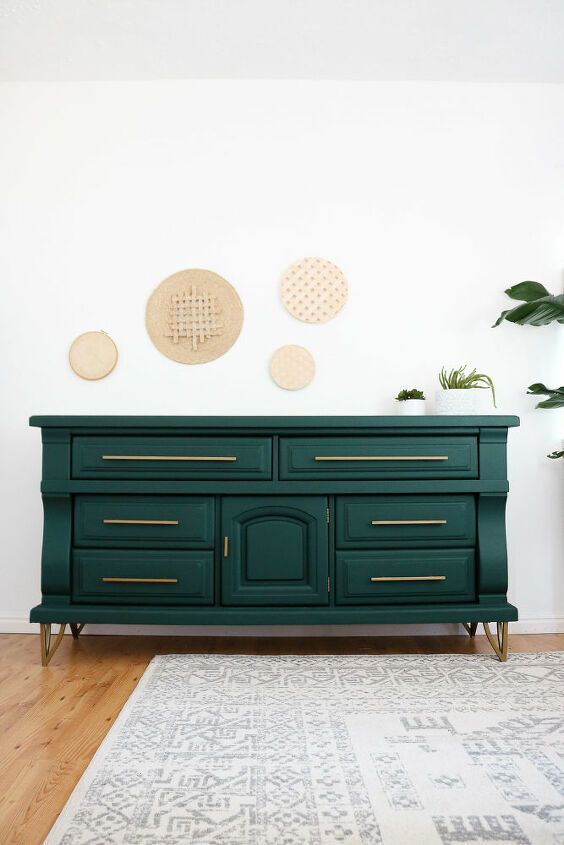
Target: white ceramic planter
x=451 y=402
x=411 y=407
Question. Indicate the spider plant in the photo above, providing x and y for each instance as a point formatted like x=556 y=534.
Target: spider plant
x=459 y=379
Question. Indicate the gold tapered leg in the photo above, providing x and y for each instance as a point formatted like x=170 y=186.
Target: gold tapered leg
x=48 y=650
x=471 y=628
x=76 y=629
x=500 y=642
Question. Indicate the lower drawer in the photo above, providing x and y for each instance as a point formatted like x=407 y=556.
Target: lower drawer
x=141 y=577
x=405 y=577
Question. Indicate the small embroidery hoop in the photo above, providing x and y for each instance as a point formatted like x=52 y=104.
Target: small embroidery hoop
x=93 y=355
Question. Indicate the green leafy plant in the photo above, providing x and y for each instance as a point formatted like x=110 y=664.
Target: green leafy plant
x=406 y=394
x=459 y=379
x=555 y=395
x=538 y=308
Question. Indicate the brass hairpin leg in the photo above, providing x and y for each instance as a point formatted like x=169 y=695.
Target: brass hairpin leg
x=471 y=628
x=500 y=647
x=48 y=650
x=76 y=629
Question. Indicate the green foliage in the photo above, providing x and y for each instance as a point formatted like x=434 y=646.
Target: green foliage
x=406 y=394
x=556 y=395
x=539 y=307
x=459 y=379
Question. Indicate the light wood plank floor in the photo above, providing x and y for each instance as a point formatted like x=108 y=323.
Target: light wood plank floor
x=52 y=720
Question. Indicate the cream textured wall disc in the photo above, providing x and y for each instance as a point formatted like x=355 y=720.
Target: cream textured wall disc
x=313 y=290
x=93 y=355
x=194 y=316
x=292 y=367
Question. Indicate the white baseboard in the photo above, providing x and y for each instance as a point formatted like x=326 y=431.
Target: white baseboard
x=545 y=625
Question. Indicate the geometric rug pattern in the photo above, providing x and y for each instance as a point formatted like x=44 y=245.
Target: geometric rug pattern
x=355 y=750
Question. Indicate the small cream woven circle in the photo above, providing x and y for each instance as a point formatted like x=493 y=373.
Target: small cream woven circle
x=292 y=367
x=93 y=355
x=313 y=290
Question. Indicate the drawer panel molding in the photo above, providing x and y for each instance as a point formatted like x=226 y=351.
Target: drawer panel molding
x=404 y=577
x=197 y=458
x=376 y=522
x=150 y=577
x=378 y=457
x=144 y=521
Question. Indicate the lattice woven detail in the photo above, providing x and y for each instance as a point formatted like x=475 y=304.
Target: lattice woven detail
x=194 y=315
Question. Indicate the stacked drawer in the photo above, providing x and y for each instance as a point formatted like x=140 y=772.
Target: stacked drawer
x=154 y=549
x=396 y=549
x=405 y=549
x=144 y=549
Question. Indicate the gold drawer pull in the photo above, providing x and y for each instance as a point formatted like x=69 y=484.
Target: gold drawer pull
x=140 y=580
x=409 y=522
x=140 y=522
x=167 y=458
x=381 y=458
x=411 y=578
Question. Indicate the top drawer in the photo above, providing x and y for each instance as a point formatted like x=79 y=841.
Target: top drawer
x=172 y=457
x=365 y=458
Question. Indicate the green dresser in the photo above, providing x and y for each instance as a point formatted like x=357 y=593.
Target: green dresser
x=274 y=521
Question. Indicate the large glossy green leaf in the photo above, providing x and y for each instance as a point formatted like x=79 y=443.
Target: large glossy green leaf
x=539 y=312
x=556 y=455
x=556 y=395
x=527 y=291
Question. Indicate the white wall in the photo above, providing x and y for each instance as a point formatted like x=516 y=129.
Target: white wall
x=431 y=197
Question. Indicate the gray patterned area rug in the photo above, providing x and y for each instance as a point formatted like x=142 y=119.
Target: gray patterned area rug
x=232 y=750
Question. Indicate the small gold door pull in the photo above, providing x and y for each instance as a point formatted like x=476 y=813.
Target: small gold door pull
x=410 y=578
x=409 y=522
x=140 y=522
x=225 y=546
x=140 y=580
x=167 y=458
x=381 y=458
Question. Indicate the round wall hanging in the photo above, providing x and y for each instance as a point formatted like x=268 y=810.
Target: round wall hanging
x=292 y=367
x=313 y=290
x=93 y=355
x=194 y=316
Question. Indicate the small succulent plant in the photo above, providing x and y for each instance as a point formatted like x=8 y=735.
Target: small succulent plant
x=406 y=394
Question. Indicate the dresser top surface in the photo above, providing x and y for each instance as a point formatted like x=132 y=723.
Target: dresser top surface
x=359 y=423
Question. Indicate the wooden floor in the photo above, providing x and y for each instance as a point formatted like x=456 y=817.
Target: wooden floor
x=52 y=720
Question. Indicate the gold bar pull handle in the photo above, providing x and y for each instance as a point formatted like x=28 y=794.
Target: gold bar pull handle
x=226 y=546
x=168 y=458
x=140 y=522
x=409 y=522
x=140 y=580
x=410 y=578
x=381 y=458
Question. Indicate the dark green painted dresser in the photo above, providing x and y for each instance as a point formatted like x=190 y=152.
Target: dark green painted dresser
x=274 y=521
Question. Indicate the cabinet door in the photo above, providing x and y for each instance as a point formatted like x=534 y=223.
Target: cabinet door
x=275 y=550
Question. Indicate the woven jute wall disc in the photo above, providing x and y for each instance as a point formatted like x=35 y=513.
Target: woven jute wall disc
x=93 y=355
x=313 y=290
x=292 y=367
x=194 y=316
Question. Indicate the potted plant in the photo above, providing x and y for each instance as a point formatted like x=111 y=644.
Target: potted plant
x=411 y=402
x=538 y=308
x=458 y=394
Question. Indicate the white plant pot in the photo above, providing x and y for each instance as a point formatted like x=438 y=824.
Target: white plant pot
x=453 y=402
x=411 y=407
